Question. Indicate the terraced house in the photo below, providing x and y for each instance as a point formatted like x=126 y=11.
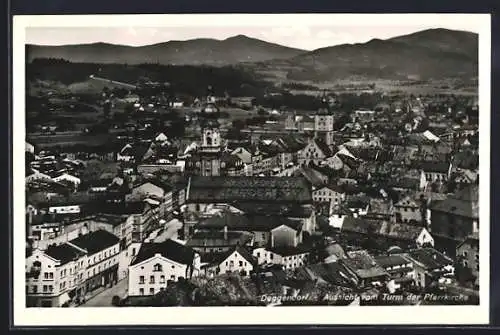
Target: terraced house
x=68 y=272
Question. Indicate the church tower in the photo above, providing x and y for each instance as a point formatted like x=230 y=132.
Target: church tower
x=210 y=151
x=323 y=121
x=209 y=104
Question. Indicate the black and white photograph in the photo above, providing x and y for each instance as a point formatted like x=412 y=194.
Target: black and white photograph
x=324 y=165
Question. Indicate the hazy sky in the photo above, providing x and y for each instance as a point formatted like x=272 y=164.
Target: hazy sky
x=298 y=34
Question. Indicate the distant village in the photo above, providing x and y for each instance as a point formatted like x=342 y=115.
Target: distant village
x=296 y=208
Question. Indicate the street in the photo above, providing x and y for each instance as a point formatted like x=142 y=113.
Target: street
x=103 y=299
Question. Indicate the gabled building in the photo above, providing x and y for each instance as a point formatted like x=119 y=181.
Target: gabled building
x=369 y=273
x=69 y=272
x=288 y=257
x=468 y=254
x=434 y=171
x=455 y=218
x=53 y=274
x=158 y=263
x=217 y=241
x=102 y=250
x=400 y=270
x=430 y=266
x=332 y=194
x=203 y=191
x=236 y=260
x=382 y=234
x=262 y=226
x=315 y=151
x=408 y=210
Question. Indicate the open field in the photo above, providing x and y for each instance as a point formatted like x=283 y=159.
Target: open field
x=68 y=138
x=96 y=85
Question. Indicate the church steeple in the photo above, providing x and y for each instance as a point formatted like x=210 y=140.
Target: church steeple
x=324 y=104
x=209 y=105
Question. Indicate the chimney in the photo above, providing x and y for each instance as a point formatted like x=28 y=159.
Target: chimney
x=225 y=232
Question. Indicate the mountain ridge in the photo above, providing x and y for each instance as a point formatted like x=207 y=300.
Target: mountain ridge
x=430 y=53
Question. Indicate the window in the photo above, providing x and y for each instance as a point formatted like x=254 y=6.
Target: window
x=157 y=267
x=45 y=288
x=241 y=263
x=106 y=254
x=35 y=289
x=466 y=264
x=62 y=274
x=152 y=279
x=141 y=291
x=258 y=254
x=162 y=279
x=465 y=253
x=172 y=277
x=141 y=280
x=46 y=275
x=173 y=266
x=151 y=291
x=271 y=256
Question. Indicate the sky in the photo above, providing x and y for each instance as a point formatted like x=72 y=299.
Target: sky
x=305 y=34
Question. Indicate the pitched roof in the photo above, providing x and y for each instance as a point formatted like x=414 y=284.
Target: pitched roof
x=334 y=273
x=239 y=222
x=323 y=147
x=430 y=258
x=407 y=202
x=380 y=206
x=169 y=249
x=291 y=143
x=439 y=167
x=65 y=253
x=218 y=258
x=289 y=251
x=472 y=239
x=289 y=210
x=466 y=160
x=463 y=203
x=349 y=161
x=312 y=175
x=95 y=241
x=382 y=228
x=218 y=239
x=363 y=264
x=259 y=189
x=390 y=260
